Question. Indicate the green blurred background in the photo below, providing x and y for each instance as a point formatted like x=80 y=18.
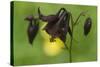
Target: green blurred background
x=85 y=49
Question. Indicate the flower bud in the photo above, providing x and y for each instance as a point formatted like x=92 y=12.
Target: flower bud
x=87 y=26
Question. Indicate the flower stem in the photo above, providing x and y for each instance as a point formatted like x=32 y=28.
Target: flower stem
x=72 y=25
x=70 y=49
x=71 y=42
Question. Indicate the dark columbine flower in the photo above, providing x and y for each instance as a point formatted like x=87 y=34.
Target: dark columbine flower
x=87 y=26
x=58 y=24
x=32 y=28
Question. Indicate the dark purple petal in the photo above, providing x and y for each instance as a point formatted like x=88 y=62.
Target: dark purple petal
x=29 y=18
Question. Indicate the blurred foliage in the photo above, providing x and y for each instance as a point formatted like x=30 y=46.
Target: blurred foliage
x=83 y=49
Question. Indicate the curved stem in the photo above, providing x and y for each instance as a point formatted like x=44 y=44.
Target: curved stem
x=71 y=42
x=81 y=14
x=77 y=19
